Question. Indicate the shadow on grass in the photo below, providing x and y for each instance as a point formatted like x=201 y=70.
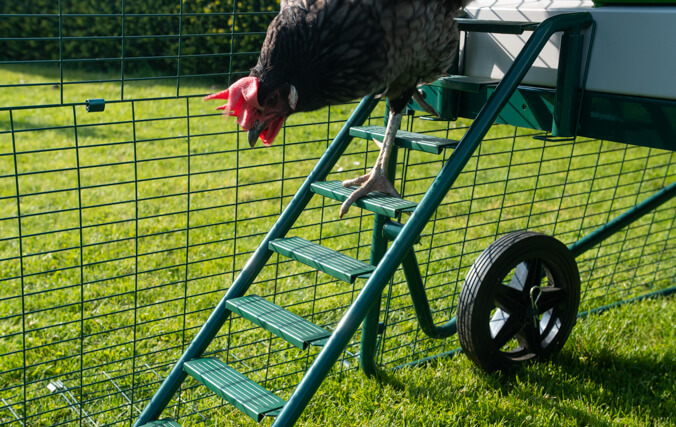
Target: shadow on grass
x=586 y=388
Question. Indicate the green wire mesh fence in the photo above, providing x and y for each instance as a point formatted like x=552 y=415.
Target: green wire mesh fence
x=121 y=229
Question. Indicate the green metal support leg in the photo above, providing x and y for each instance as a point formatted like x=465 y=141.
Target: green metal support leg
x=369 y=334
x=421 y=304
x=567 y=84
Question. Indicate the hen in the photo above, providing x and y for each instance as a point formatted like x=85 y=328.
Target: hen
x=325 y=52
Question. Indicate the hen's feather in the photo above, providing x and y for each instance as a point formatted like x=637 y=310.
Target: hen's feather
x=334 y=51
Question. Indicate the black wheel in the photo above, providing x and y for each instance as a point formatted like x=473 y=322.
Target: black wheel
x=519 y=301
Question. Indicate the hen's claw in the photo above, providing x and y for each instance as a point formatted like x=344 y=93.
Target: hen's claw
x=372 y=181
x=376 y=180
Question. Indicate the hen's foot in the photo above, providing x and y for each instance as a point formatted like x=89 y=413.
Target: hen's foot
x=372 y=181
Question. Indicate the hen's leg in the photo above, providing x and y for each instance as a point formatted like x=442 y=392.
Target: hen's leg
x=376 y=180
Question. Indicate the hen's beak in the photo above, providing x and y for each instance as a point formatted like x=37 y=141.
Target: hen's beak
x=255 y=132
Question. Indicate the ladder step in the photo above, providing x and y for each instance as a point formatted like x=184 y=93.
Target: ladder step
x=162 y=423
x=281 y=322
x=324 y=259
x=498 y=27
x=375 y=201
x=246 y=395
x=405 y=139
x=464 y=83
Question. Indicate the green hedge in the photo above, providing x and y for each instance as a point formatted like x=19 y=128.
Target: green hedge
x=93 y=29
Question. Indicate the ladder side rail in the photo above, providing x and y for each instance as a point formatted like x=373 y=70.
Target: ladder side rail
x=219 y=315
x=371 y=291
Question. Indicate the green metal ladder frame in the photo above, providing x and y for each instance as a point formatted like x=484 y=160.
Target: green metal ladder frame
x=365 y=308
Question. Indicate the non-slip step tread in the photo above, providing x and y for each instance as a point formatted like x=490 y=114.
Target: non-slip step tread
x=162 y=423
x=464 y=83
x=405 y=139
x=321 y=258
x=245 y=394
x=498 y=27
x=283 y=323
x=375 y=201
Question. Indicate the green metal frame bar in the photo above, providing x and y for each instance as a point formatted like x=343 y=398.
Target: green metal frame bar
x=255 y=264
x=421 y=304
x=645 y=122
x=370 y=294
x=623 y=220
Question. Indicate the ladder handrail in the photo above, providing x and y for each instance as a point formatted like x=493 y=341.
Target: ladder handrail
x=572 y=23
x=220 y=314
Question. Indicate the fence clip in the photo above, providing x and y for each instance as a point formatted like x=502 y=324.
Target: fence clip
x=95 y=105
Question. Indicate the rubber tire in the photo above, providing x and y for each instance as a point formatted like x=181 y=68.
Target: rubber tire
x=484 y=292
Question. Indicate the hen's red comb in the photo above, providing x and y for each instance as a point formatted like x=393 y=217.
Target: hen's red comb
x=220 y=95
x=244 y=89
x=242 y=99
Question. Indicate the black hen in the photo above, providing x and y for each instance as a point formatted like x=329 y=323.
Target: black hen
x=325 y=52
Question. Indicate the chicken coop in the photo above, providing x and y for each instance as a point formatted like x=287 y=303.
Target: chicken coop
x=139 y=231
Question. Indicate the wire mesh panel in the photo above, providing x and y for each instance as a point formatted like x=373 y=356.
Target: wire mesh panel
x=121 y=229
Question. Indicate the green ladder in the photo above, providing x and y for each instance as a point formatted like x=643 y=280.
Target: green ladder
x=253 y=399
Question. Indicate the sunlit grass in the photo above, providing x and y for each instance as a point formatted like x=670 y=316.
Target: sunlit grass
x=616 y=369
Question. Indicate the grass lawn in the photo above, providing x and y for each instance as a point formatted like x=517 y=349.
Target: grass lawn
x=120 y=231
x=617 y=368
